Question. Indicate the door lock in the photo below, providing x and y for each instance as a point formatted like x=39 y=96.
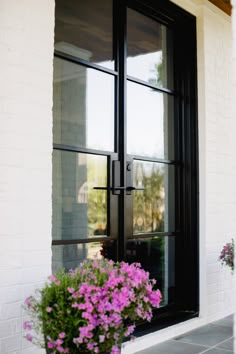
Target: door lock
x=116 y=188
x=129 y=167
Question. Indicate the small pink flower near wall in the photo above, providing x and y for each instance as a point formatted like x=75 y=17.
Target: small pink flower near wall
x=227 y=255
x=29 y=337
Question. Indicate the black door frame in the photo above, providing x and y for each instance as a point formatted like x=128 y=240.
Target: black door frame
x=183 y=25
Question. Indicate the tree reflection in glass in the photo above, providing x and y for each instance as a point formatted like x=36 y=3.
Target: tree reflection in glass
x=149 y=204
x=97 y=199
x=79 y=211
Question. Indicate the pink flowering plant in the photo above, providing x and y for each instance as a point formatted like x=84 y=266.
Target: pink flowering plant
x=227 y=255
x=92 y=308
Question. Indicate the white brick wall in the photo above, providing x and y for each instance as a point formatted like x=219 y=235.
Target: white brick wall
x=220 y=156
x=233 y=2
x=26 y=47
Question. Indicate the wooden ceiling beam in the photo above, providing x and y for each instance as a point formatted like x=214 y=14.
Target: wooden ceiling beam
x=224 y=5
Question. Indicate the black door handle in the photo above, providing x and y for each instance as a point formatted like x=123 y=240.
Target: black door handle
x=129 y=188
x=109 y=188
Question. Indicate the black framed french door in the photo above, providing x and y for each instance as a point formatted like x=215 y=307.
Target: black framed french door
x=125 y=141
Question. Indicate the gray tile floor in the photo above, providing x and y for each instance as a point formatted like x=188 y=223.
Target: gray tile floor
x=214 y=338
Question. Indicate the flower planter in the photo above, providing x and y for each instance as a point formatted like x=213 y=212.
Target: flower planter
x=92 y=308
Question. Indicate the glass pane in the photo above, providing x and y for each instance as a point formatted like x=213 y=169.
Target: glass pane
x=84 y=29
x=149 y=122
x=70 y=256
x=157 y=256
x=149 y=50
x=79 y=211
x=83 y=106
x=153 y=208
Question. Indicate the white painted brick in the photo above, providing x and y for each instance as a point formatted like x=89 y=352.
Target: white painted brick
x=233 y=2
x=10 y=294
x=29 y=243
x=11 y=277
x=25 y=159
x=25 y=344
x=7 y=210
x=212 y=289
x=30 y=288
x=212 y=278
x=213 y=258
x=32 y=350
x=35 y=258
x=11 y=310
x=7 y=328
x=32 y=274
x=10 y=158
x=11 y=260
x=11 y=343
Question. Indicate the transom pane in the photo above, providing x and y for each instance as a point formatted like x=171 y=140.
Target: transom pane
x=84 y=29
x=149 y=50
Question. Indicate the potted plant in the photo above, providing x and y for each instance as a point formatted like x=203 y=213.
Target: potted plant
x=90 y=309
x=227 y=255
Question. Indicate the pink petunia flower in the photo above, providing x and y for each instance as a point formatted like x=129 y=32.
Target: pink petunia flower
x=28 y=301
x=51 y=345
x=29 y=337
x=59 y=342
x=27 y=325
x=71 y=290
x=52 y=278
x=115 y=350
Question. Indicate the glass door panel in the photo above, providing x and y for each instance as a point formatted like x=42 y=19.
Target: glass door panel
x=83 y=113
x=79 y=211
x=70 y=256
x=153 y=208
x=149 y=50
x=149 y=122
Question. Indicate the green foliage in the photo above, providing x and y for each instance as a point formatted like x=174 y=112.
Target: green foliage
x=157 y=80
x=97 y=199
x=148 y=204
